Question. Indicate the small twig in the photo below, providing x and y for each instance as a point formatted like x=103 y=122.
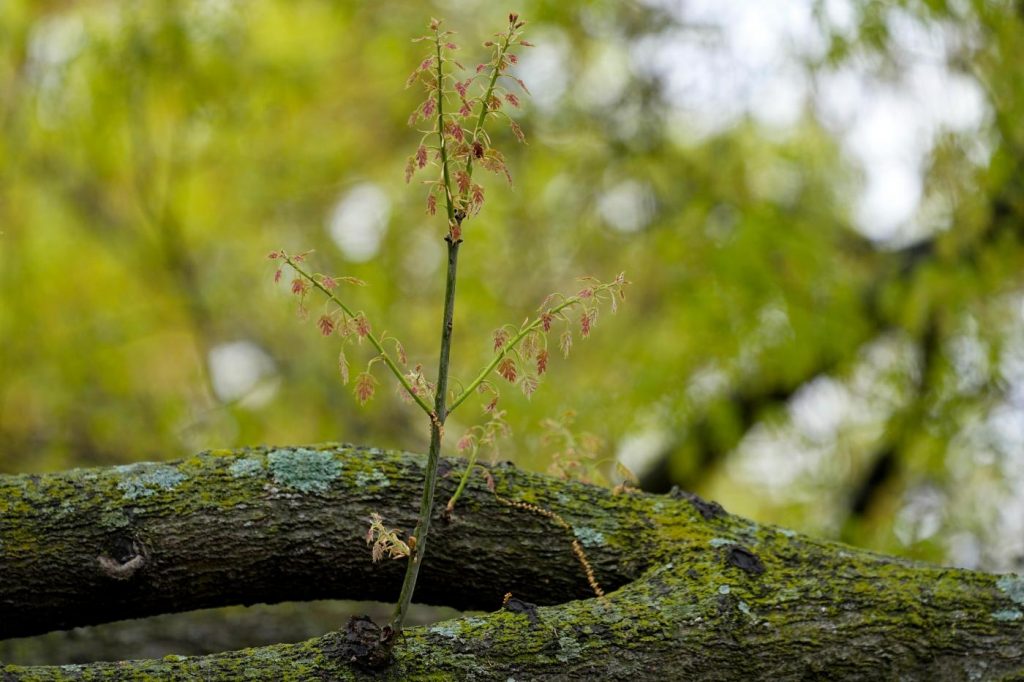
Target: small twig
x=577 y=547
x=374 y=341
x=535 y=324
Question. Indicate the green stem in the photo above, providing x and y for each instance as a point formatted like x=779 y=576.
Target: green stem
x=462 y=481
x=374 y=341
x=510 y=345
x=452 y=223
x=436 y=432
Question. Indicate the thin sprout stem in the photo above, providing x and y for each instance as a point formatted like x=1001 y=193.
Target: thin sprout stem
x=462 y=482
x=440 y=136
x=510 y=345
x=391 y=365
x=485 y=104
x=437 y=419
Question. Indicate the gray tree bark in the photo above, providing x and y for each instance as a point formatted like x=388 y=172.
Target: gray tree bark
x=693 y=591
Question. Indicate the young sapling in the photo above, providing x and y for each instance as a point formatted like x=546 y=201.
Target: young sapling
x=453 y=120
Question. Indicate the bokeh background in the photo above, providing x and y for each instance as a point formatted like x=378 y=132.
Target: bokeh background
x=819 y=204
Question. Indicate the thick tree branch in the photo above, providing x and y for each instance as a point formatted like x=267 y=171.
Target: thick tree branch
x=269 y=525
x=701 y=593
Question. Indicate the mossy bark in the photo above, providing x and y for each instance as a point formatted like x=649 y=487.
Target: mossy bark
x=695 y=592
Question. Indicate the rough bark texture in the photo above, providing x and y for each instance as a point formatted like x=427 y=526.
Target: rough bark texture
x=700 y=593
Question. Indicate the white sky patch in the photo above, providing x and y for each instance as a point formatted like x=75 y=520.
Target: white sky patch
x=964 y=550
x=53 y=45
x=545 y=67
x=242 y=371
x=800 y=456
x=707 y=383
x=774 y=459
x=606 y=75
x=732 y=59
x=641 y=450
x=891 y=195
x=627 y=206
x=423 y=254
x=921 y=515
x=819 y=409
x=735 y=59
x=359 y=221
x=969 y=357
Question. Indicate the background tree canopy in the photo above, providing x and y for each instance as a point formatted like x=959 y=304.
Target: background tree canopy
x=819 y=205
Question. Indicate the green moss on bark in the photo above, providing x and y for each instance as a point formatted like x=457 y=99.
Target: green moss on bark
x=700 y=593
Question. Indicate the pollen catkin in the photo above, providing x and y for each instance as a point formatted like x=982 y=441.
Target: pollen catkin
x=577 y=548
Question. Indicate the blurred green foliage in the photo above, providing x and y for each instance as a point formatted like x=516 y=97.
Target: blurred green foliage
x=152 y=153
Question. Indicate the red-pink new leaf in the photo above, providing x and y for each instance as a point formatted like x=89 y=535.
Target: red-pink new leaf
x=362 y=326
x=424 y=66
x=517 y=131
x=466 y=442
x=495 y=163
x=507 y=370
x=586 y=319
x=326 y=325
x=500 y=337
x=478 y=197
x=520 y=83
x=455 y=131
x=365 y=387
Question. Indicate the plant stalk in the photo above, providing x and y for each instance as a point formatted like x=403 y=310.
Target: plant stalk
x=377 y=343
x=433 y=454
x=511 y=344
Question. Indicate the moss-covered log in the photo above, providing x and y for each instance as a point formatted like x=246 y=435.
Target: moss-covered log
x=202 y=632
x=700 y=592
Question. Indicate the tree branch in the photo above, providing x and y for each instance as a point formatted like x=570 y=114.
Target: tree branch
x=700 y=592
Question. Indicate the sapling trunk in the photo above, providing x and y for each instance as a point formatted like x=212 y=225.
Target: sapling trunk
x=436 y=434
